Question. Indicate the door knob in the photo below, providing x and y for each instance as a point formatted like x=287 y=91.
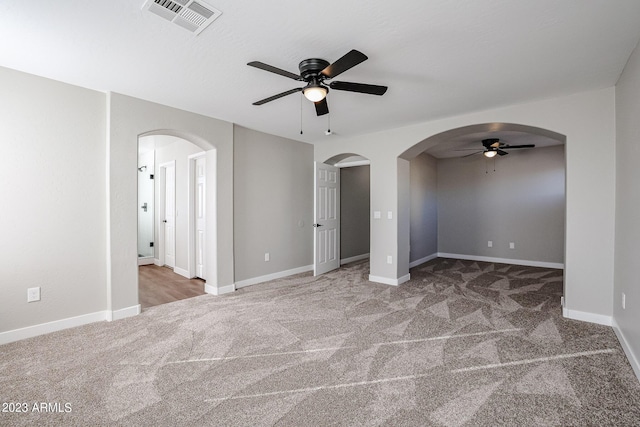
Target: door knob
x=317 y=225
x=164 y=220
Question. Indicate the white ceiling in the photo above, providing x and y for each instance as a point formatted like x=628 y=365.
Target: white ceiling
x=438 y=57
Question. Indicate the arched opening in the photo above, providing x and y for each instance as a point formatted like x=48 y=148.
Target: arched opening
x=505 y=209
x=175 y=228
x=342 y=190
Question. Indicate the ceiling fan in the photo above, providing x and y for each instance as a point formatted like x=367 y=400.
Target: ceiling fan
x=493 y=146
x=315 y=72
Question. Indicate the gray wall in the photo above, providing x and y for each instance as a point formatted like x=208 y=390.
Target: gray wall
x=53 y=186
x=423 y=236
x=523 y=202
x=273 y=203
x=628 y=207
x=354 y=211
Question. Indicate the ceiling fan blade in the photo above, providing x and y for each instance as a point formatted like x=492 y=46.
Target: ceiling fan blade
x=349 y=60
x=472 y=154
x=359 y=87
x=280 y=95
x=518 y=146
x=501 y=153
x=322 y=107
x=272 y=69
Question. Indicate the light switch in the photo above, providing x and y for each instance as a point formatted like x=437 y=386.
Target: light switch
x=389 y=215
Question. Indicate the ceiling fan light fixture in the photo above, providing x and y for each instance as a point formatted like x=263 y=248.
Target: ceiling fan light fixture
x=490 y=153
x=315 y=92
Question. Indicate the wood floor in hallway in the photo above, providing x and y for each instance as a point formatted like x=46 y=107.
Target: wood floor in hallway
x=160 y=285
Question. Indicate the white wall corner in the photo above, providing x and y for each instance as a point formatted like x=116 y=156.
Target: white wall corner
x=423 y=260
x=45 y=328
x=633 y=360
x=123 y=313
x=389 y=281
x=157 y=262
x=583 y=316
x=213 y=290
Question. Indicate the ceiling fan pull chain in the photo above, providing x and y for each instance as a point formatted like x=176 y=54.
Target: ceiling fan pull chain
x=301 y=96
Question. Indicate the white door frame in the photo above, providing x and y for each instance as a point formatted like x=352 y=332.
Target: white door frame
x=162 y=171
x=191 y=251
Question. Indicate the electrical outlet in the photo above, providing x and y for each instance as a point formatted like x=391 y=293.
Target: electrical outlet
x=33 y=294
x=267 y=257
x=490 y=244
x=512 y=245
x=389 y=259
x=624 y=301
x=389 y=215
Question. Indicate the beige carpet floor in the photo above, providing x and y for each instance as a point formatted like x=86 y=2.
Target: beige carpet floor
x=461 y=344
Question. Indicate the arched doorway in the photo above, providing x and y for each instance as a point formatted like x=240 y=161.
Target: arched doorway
x=341 y=214
x=172 y=226
x=513 y=213
x=508 y=208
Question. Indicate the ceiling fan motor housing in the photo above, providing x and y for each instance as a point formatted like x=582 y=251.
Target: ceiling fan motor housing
x=310 y=68
x=491 y=143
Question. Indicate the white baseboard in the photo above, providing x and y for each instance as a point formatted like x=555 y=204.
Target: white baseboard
x=146 y=261
x=600 y=319
x=423 y=260
x=528 y=263
x=273 y=276
x=344 y=261
x=389 y=281
x=219 y=291
x=182 y=272
x=633 y=360
x=57 y=325
x=157 y=262
x=123 y=313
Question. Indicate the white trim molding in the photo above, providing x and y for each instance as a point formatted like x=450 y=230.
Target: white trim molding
x=423 y=260
x=146 y=261
x=213 y=290
x=56 y=325
x=182 y=272
x=273 y=276
x=344 y=261
x=352 y=164
x=123 y=313
x=389 y=281
x=528 y=263
x=633 y=360
x=600 y=319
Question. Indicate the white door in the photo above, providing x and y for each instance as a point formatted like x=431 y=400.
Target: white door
x=326 y=219
x=169 y=219
x=200 y=224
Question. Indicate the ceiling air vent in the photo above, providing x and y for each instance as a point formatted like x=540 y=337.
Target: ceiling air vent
x=192 y=15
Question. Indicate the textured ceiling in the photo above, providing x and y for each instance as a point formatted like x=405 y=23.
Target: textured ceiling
x=438 y=57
